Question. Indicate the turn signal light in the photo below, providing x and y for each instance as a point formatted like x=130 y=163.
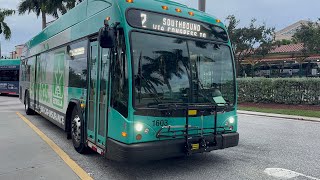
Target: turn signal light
x=129 y=1
x=178 y=10
x=218 y=21
x=165 y=7
x=124 y=134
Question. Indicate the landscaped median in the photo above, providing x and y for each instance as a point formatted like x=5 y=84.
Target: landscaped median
x=282 y=109
x=289 y=96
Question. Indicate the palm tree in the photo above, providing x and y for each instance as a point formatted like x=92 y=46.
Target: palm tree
x=45 y=7
x=69 y=4
x=4 y=28
x=166 y=65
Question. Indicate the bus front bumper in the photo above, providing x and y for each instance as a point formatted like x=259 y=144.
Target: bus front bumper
x=165 y=149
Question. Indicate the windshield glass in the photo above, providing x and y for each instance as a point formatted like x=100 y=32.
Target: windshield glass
x=177 y=70
x=9 y=75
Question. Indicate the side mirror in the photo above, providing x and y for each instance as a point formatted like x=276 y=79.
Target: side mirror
x=107 y=37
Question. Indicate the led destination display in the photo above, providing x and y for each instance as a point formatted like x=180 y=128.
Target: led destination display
x=176 y=25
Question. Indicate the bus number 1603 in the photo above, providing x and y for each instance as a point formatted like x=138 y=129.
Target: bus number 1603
x=160 y=123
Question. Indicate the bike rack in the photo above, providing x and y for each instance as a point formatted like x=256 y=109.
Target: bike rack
x=184 y=130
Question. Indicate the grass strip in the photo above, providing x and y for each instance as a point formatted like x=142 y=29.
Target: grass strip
x=296 y=112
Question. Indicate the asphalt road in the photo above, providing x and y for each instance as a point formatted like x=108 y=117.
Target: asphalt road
x=264 y=143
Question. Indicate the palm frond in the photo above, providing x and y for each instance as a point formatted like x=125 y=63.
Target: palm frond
x=7 y=12
x=6 y=31
x=27 y=6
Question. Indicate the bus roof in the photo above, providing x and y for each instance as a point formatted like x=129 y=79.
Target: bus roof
x=9 y=62
x=88 y=8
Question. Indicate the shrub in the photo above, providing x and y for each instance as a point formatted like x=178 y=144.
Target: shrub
x=279 y=90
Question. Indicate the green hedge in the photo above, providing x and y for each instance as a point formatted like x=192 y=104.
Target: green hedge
x=279 y=90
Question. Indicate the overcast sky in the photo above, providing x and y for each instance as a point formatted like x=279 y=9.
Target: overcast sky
x=275 y=13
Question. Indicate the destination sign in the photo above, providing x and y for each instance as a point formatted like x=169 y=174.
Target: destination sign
x=9 y=67
x=171 y=24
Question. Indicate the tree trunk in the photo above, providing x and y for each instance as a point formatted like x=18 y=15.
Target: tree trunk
x=252 y=70
x=300 y=69
x=166 y=81
x=238 y=67
x=44 y=20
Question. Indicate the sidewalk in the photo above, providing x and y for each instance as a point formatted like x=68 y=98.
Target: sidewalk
x=302 y=118
x=24 y=155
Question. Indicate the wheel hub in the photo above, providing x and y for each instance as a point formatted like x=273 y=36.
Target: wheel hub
x=27 y=104
x=76 y=128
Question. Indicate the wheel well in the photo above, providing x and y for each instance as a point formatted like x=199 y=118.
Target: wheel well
x=68 y=116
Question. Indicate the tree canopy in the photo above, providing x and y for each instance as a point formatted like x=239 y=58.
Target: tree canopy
x=46 y=7
x=4 y=28
x=309 y=35
x=254 y=41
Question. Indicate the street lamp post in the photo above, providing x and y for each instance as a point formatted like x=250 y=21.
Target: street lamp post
x=202 y=5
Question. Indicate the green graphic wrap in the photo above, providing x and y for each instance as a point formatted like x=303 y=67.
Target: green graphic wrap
x=58 y=81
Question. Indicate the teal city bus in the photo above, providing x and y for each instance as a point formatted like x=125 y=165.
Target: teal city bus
x=9 y=76
x=134 y=79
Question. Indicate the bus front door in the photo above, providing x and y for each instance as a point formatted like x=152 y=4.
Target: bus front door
x=97 y=94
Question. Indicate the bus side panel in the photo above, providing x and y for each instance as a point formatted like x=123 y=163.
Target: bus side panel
x=51 y=86
x=61 y=76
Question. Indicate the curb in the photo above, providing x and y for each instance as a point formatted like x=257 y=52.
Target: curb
x=299 y=118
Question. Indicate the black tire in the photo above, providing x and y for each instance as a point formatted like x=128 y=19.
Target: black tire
x=77 y=132
x=27 y=108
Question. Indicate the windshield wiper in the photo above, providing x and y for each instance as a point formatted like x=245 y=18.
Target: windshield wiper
x=217 y=100
x=169 y=106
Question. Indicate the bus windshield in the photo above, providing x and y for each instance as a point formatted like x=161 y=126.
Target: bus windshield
x=9 y=75
x=178 y=70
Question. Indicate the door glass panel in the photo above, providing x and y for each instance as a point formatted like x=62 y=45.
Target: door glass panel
x=93 y=83
x=104 y=78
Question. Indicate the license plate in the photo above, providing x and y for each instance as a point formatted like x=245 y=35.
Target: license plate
x=195 y=146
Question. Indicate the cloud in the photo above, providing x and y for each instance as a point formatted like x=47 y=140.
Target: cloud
x=23 y=27
x=275 y=13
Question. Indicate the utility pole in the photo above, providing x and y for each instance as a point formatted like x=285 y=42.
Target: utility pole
x=202 y=5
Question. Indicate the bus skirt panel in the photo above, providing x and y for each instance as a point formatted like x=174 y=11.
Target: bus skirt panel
x=167 y=148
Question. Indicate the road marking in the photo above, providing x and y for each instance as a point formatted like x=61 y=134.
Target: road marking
x=285 y=173
x=73 y=165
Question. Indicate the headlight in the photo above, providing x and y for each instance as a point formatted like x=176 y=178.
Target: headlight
x=138 y=127
x=231 y=120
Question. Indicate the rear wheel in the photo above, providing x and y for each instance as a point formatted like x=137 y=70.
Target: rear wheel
x=27 y=108
x=77 y=132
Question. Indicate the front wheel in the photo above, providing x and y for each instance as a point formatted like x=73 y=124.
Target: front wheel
x=77 y=132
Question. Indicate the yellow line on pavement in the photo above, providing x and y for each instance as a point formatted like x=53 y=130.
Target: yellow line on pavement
x=73 y=165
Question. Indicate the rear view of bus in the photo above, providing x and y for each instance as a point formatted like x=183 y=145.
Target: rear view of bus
x=9 y=76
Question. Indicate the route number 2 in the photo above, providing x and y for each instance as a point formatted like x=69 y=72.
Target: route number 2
x=143 y=19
